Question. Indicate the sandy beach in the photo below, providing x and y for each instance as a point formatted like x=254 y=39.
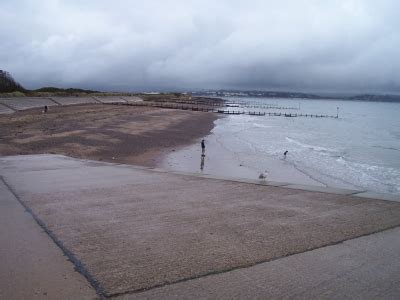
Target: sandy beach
x=145 y=136
x=156 y=137
x=124 y=134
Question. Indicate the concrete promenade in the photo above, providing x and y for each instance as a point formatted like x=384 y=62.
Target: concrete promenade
x=133 y=232
x=11 y=105
x=32 y=266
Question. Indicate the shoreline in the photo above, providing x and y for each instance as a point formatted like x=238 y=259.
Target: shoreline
x=221 y=160
x=121 y=134
x=145 y=136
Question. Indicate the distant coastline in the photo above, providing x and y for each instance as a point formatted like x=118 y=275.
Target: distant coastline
x=11 y=88
x=296 y=95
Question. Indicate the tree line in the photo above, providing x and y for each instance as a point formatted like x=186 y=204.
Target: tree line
x=8 y=84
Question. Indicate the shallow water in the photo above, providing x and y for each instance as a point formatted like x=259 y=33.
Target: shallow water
x=360 y=149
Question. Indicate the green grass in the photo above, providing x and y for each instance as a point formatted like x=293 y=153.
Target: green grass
x=12 y=94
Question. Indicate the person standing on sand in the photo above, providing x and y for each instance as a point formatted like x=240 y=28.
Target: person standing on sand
x=203 y=146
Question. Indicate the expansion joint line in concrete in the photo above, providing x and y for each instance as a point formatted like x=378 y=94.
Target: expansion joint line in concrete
x=138 y=291
x=8 y=106
x=56 y=102
x=78 y=265
x=97 y=100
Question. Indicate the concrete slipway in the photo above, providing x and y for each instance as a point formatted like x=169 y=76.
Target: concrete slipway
x=134 y=232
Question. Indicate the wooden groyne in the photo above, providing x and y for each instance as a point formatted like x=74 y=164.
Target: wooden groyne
x=200 y=102
x=288 y=115
x=221 y=110
x=222 y=104
x=269 y=107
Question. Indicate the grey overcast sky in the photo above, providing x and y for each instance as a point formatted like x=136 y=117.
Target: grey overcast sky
x=129 y=45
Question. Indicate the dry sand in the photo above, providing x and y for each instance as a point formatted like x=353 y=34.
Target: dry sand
x=125 y=134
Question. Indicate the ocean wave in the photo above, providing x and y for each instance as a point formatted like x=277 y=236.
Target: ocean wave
x=346 y=159
x=258 y=125
x=387 y=148
x=311 y=147
x=371 y=174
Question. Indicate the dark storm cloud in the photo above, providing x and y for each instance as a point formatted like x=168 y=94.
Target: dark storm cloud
x=135 y=45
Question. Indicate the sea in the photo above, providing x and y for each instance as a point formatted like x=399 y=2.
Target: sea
x=358 y=147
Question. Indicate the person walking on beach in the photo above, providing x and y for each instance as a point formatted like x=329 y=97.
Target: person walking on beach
x=284 y=154
x=203 y=146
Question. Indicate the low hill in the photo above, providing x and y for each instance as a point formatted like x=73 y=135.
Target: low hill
x=67 y=91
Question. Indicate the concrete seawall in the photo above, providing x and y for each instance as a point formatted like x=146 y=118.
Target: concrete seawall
x=129 y=229
x=10 y=105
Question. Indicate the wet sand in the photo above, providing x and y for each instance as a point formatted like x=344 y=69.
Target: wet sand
x=220 y=161
x=124 y=134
